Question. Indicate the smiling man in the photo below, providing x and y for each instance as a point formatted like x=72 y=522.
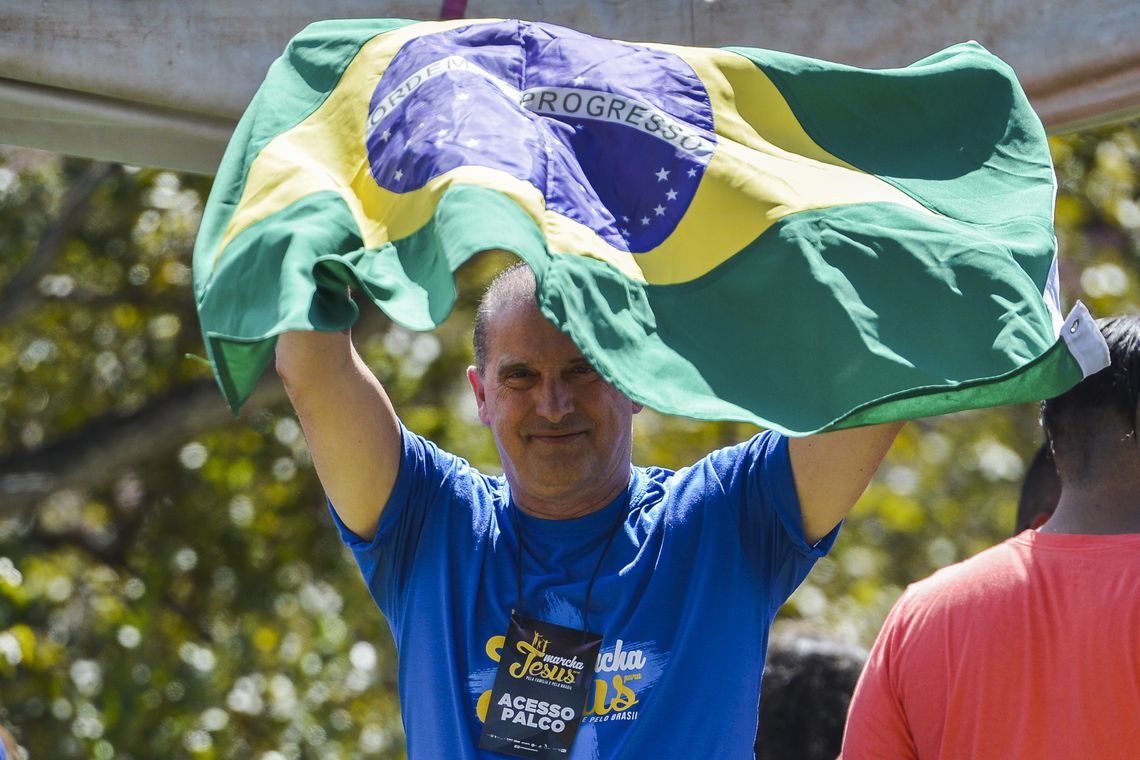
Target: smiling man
x=577 y=606
x=564 y=434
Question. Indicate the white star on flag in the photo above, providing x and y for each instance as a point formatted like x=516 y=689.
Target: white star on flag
x=659 y=210
x=385 y=135
x=399 y=174
x=471 y=142
x=579 y=80
x=692 y=171
x=662 y=174
x=671 y=195
x=644 y=221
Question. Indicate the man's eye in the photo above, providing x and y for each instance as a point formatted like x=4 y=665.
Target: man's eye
x=518 y=377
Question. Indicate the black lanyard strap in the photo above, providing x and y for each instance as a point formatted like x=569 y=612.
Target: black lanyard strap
x=597 y=568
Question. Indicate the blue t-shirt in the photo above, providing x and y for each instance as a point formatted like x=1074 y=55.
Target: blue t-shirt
x=684 y=598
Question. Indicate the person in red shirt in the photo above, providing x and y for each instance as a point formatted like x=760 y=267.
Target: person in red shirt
x=1030 y=649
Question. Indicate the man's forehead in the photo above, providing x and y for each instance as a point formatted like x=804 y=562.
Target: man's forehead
x=521 y=335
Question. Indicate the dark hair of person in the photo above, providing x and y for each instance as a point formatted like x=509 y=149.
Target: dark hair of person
x=1040 y=491
x=514 y=282
x=804 y=696
x=1114 y=391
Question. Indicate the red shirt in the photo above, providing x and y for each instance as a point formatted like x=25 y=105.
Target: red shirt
x=1031 y=649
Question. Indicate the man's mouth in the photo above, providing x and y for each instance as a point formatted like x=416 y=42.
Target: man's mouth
x=556 y=437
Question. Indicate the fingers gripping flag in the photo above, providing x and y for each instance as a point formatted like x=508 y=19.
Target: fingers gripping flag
x=725 y=233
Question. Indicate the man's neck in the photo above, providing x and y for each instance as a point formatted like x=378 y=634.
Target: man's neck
x=561 y=506
x=1096 y=511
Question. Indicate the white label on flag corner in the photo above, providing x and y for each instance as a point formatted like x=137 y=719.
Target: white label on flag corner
x=1084 y=340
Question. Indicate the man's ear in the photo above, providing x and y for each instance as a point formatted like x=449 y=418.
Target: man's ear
x=480 y=391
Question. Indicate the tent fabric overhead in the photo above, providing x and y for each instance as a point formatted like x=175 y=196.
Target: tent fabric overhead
x=163 y=84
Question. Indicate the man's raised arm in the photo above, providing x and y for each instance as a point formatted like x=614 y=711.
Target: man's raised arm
x=349 y=423
x=832 y=470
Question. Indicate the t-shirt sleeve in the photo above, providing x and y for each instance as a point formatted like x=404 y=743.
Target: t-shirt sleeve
x=877 y=725
x=774 y=473
x=421 y=485
x=761 y=471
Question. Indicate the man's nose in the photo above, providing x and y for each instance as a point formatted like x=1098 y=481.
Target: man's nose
x=555 y=399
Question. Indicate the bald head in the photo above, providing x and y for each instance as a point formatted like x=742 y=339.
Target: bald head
x=511 y=287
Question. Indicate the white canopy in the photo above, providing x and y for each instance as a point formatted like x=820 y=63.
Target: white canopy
x=163 y=83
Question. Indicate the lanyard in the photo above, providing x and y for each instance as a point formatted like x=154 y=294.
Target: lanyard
x=545 y=672
x=593 y=576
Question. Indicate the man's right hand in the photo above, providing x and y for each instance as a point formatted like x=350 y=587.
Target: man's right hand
x=350 y=426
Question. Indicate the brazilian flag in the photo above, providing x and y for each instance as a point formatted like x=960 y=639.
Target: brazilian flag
x=725 y=233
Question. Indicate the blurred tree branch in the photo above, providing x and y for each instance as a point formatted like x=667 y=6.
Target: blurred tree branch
x=104 y=448
x=21 y=292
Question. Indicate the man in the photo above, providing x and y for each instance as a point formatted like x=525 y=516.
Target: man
x=1030 y=649
x=679 y=573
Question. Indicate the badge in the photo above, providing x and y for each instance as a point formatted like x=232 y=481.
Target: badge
x=545 y=673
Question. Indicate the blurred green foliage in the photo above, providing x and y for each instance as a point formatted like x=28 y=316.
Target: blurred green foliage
x=171 y=584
